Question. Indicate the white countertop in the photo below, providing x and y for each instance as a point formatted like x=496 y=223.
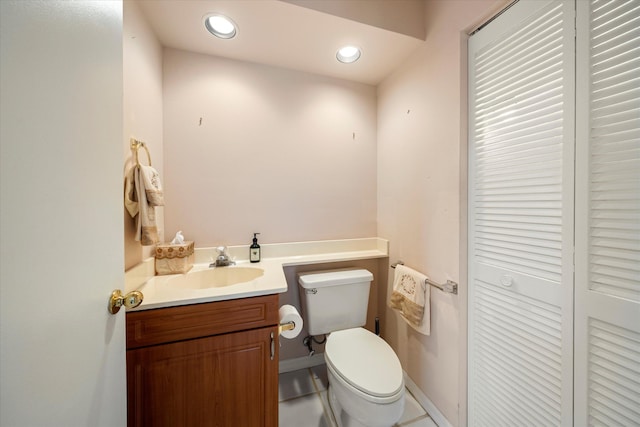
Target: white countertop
x=159 y=292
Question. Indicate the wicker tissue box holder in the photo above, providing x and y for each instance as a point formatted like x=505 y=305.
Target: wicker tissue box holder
x=174 y=258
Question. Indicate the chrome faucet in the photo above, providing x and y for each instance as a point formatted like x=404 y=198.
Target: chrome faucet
x=223 y=259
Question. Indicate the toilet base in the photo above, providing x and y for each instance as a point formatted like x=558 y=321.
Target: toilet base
x=339 y=414
x=363 y=414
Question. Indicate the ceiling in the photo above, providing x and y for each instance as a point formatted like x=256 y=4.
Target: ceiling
x=288 y=35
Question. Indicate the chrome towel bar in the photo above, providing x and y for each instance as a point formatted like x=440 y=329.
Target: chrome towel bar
x=449 y=287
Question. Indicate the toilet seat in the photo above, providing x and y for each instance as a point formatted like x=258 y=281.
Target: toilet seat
x=365 y=362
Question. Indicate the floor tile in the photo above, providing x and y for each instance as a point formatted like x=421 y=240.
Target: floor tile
x=306 y=411
x=324 y=397
x=412 y=408
x=295 y=384
x=320 y=378
x=422 y=422
x=304 y=402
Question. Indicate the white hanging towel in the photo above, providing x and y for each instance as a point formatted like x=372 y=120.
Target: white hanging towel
x=143 y=192
x=152 y=186
x=411 y=298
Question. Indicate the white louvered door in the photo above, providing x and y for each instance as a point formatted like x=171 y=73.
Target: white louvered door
x=607 y=310
x=521 y=121
x=548 y=346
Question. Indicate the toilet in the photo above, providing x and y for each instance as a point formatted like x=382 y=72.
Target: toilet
x=366 y=386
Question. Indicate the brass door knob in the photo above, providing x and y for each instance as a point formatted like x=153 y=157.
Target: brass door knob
x=130 y=300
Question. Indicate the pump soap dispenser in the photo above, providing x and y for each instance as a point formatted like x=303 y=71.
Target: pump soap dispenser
x=254 y=249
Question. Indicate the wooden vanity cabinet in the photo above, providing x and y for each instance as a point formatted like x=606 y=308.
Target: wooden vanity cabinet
x=211 y=364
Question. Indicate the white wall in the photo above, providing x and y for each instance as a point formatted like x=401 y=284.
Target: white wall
x=251 y=148
x=421 y=145
x=142 y=103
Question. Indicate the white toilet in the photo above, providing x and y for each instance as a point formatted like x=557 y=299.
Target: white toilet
x=366 y=388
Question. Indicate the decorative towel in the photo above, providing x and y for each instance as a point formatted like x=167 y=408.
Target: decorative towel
x=143 y=192
x=152 y=186
x=130 y=197
x=410 y=297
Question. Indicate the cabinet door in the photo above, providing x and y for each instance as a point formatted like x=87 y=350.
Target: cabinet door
x=223 y=380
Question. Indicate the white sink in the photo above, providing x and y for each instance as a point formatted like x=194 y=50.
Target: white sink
x=217 y=277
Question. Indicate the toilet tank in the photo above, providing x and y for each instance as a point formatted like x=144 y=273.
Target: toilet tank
x=334 y=299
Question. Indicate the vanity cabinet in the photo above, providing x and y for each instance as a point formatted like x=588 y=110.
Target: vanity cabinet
x=210 y=364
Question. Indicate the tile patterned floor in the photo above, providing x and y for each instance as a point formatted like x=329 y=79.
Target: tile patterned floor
x=303 y=402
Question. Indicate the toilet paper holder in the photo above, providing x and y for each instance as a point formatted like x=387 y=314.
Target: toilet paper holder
x=286 y=326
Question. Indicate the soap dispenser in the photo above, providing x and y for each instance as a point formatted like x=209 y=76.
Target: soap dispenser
x=254 y=249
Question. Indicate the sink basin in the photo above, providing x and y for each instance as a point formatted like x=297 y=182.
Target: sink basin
x=216 y=277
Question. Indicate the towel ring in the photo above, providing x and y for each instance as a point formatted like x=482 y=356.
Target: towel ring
x=135 y=146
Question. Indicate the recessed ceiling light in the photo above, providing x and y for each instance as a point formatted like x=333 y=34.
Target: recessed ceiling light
x=348 y=54
x=220 y=26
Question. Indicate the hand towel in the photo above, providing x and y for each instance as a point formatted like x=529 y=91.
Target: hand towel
x=411 y=298
x=130 y=196
x=138 y=205
x=147 y=230
x=152 y=186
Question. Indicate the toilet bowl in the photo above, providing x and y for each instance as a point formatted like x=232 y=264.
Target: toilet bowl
x=366 y=387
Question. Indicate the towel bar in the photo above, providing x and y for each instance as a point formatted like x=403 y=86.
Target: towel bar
x=449 y=287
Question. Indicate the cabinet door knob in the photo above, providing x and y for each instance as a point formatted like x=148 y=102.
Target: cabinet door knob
x=130 y=300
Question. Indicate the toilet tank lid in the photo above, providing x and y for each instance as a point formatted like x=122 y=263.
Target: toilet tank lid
x=318 y=279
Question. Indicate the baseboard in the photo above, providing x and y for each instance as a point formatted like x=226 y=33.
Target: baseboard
x=426 y=403
x=289 y=365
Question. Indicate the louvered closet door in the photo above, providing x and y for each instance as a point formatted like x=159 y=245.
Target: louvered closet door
x=607 y=351
x=521 y=118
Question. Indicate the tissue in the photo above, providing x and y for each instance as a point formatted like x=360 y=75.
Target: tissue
x=179 y=239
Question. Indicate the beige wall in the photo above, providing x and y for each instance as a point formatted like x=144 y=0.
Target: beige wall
x=421 y=188
x=251 y=148
x=402 y=16
x=142 y=102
